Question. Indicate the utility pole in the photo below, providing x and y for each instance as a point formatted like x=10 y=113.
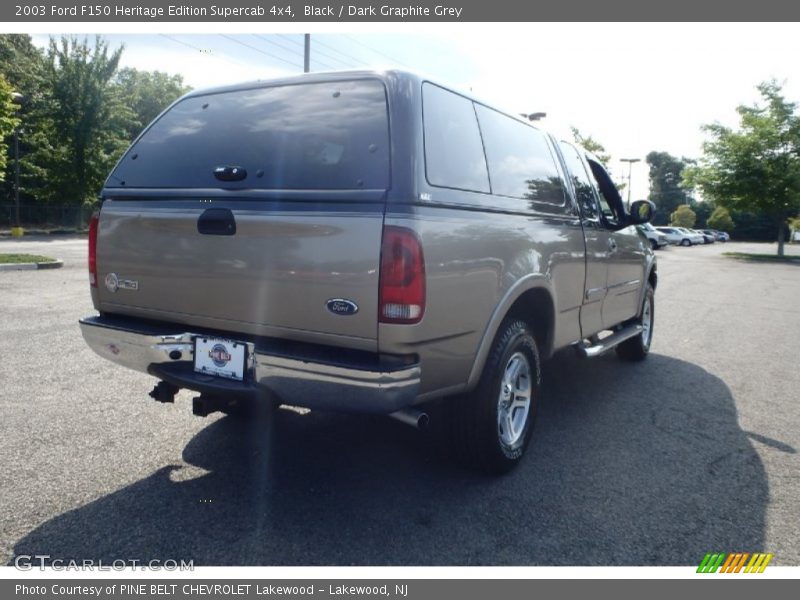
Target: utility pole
x=630 y=162
x=16 y=230
x=307 y=54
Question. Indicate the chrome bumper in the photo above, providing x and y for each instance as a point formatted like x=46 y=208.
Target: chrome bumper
x=292 y=380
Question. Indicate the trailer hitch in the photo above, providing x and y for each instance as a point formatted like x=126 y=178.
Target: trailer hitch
x=164 y=392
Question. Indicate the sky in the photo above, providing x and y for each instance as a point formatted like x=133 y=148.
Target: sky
x=633 y=87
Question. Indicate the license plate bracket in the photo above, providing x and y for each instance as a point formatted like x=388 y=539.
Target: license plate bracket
x=220 y=357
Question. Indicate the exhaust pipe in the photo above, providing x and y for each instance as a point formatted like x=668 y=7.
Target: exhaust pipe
x=413 y=417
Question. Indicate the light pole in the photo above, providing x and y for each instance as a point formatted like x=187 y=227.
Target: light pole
x=630 y=162
x=16 y=230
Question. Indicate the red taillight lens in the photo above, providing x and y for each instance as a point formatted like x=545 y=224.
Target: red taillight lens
x=93 y=249
x=402 y=287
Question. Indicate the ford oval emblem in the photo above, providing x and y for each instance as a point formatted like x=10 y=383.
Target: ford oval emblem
x=342 y=306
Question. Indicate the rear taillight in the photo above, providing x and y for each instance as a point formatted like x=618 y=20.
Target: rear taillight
x=93 y=249
x=402 y=287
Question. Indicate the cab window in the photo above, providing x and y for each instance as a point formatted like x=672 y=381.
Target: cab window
x=611 y=205
x=584 y=192
x=521 y=164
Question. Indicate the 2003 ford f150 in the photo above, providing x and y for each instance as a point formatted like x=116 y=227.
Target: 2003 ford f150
x=367 y=242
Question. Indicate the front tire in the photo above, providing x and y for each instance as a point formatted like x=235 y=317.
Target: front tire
x=686 y=242
x=491 y=426
x=637 y=348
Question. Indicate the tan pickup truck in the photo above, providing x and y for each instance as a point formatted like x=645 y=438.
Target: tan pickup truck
x=368 y=242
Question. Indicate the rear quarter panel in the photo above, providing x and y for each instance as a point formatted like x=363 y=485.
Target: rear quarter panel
x=476 y=262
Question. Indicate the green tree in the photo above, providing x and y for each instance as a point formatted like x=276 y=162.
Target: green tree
x=588 y=143
x=666 y=189
x=8 y=121
x=683 y=216
x=702 y=211
x=148 y=93
x=22 y=65
x=721 y=220
x=87 y=117
x=756 y=167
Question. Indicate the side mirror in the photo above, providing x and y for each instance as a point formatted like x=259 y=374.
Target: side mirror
x=641 y=211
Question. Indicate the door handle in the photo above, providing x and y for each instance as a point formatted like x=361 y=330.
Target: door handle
x=612 y=245
x=230 y=173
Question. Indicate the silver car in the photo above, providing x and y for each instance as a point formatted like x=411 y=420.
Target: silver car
x=676 y=237
x=694 y=236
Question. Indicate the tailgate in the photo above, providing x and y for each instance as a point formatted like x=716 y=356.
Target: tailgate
x=274 y=276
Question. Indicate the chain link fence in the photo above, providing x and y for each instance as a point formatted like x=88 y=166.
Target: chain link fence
x=42 y=216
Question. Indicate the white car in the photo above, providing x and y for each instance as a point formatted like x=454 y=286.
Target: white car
x=694 y=237
x=680 y=237
x=655 y=237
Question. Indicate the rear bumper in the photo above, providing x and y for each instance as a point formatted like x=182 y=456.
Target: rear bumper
x=379 y=387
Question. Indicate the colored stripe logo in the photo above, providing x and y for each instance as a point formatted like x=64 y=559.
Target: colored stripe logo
x=734 y=562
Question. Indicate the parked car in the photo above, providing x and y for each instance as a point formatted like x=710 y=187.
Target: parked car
x=694 y=237
x=676 y=236
x=722 y=236
x=708 y=238
x=654 y=237
x=370 y=242
x=713 y=233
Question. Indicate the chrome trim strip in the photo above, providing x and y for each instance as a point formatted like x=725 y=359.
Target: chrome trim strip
x=632 y=282
x=599 y=292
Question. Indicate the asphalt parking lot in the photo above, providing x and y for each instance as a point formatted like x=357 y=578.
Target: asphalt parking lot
x=692 y=451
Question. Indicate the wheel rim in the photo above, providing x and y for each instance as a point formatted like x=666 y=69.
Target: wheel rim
x=647 y=322
x=514 y=401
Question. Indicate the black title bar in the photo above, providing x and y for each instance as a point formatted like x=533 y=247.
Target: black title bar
x=286 y=11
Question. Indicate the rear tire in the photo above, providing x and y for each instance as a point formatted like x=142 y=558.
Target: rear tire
x=637 y=348
x=491 y=427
